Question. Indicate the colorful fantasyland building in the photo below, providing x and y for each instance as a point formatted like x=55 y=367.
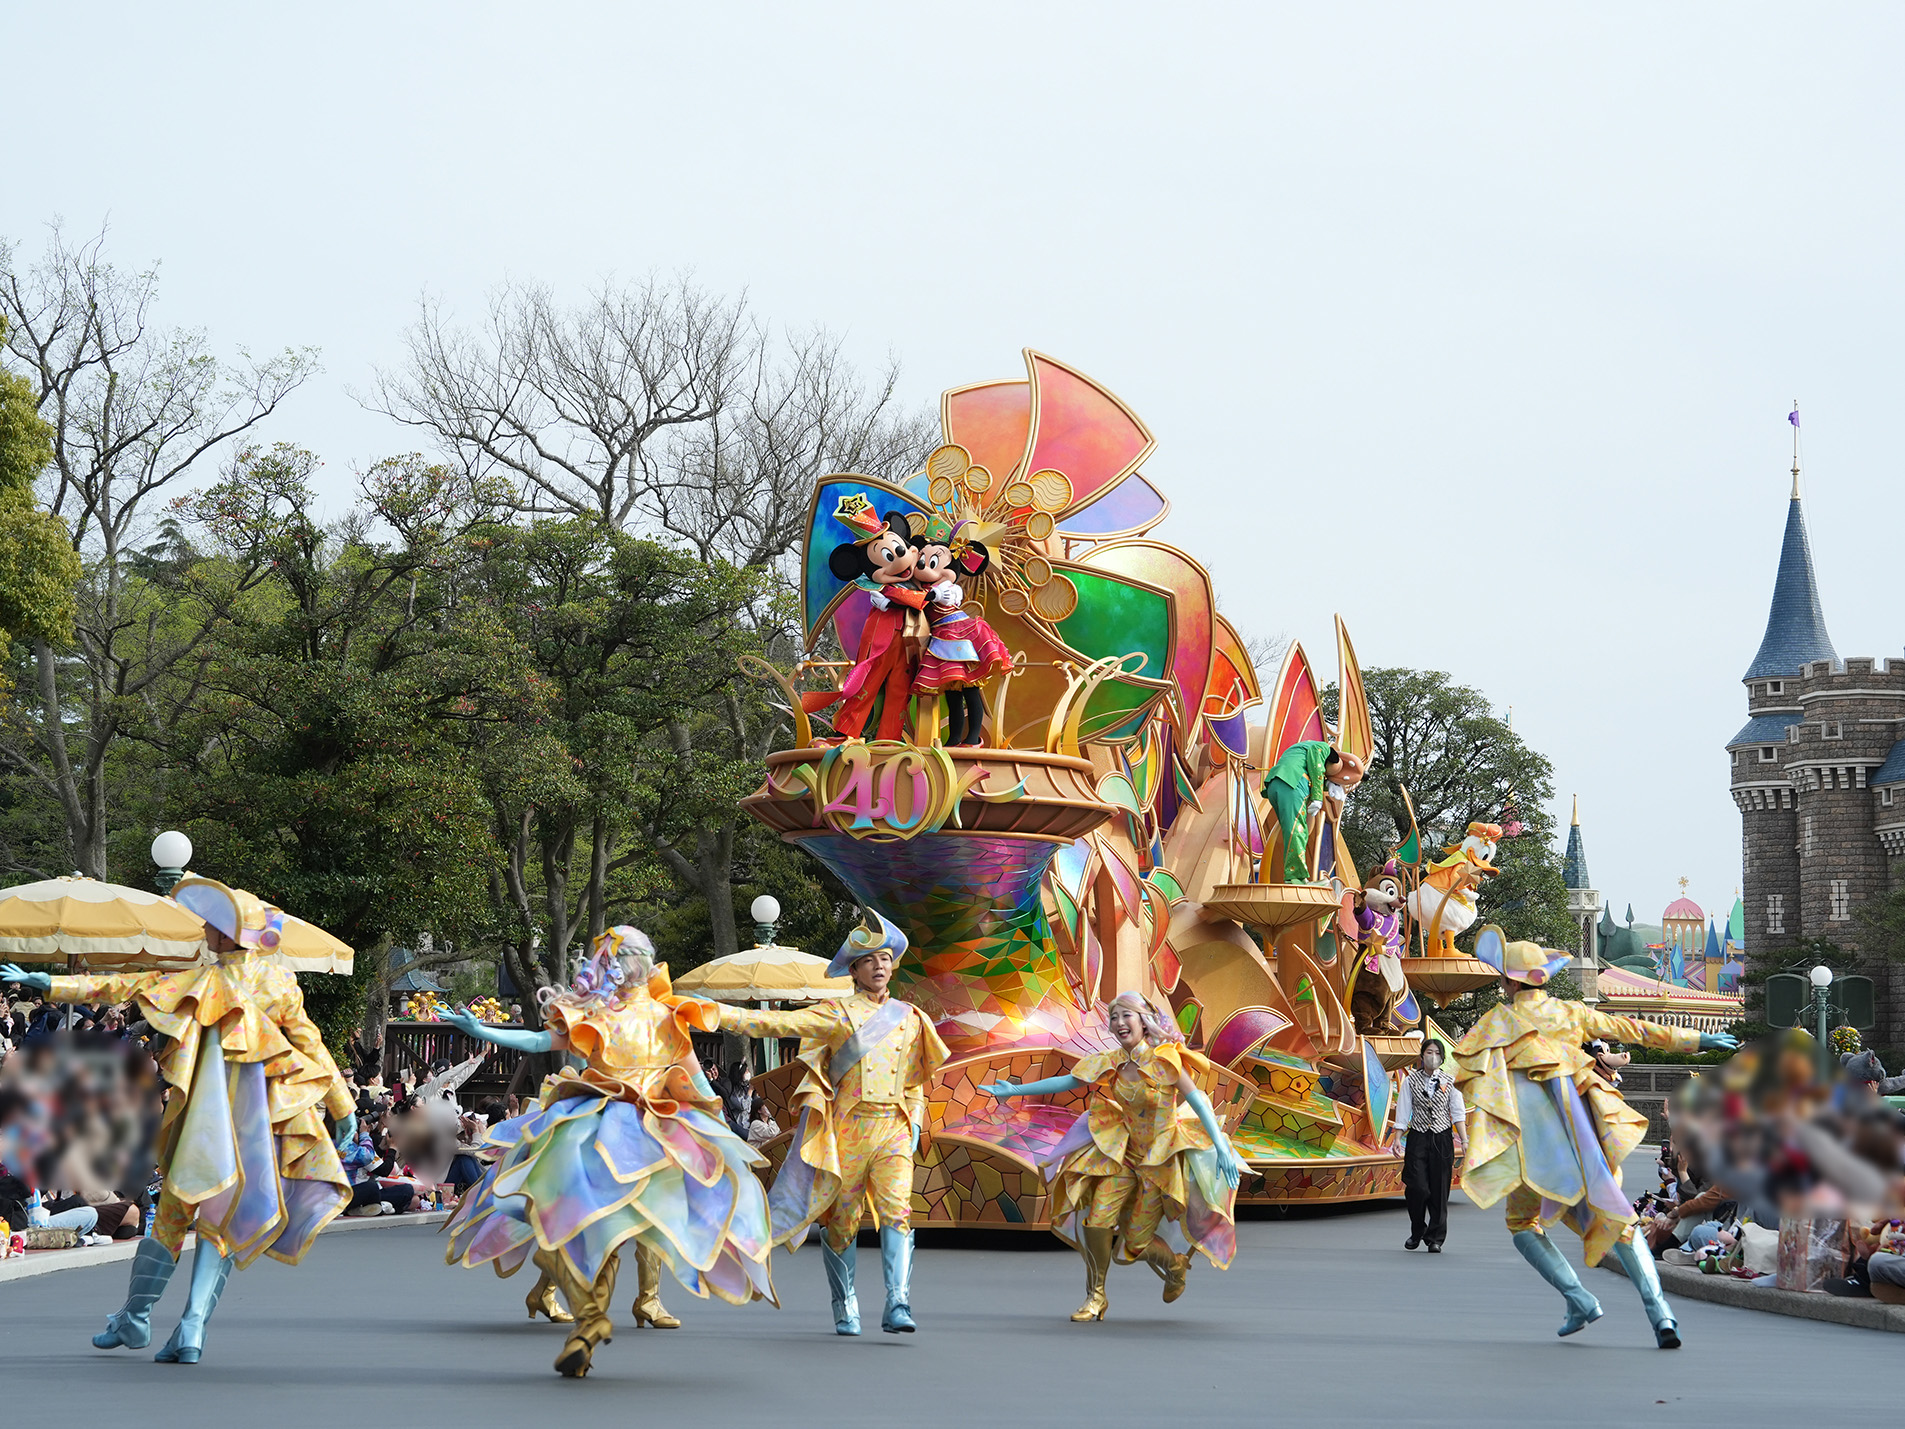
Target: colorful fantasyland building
x=1819 y=777
x=1691 y=978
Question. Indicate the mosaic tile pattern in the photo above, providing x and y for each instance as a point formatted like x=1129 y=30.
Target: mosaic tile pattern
x=1346 y=1181
x=982 y=964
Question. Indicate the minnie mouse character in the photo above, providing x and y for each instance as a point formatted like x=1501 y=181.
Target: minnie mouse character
x=964 y=651
x=879 y=560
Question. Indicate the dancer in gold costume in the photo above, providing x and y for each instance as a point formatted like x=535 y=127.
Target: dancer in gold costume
x=245 y=1157
x=1146 y=1173
x=862 y=1108
x=631 y=1147
x=1547 y=1135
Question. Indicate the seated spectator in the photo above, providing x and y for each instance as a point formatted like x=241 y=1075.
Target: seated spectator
x=1877 y=1268
x=738 y=1097
x=1700 y=1211
x=761 y=1126
x=370 y=1194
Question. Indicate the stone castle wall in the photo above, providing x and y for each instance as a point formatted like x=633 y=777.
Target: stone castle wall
x=1813 y=826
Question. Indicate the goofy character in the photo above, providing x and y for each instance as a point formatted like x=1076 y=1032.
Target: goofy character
x=878 y=560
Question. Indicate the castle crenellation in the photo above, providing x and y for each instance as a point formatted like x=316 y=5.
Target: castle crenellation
x=1818 y=774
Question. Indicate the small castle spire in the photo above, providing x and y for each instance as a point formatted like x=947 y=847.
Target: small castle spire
x=1796 y=624
x=1793 y=417
x=1574 y=869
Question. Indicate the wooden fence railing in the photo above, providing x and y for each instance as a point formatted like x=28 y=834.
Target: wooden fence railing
x=411 y=1047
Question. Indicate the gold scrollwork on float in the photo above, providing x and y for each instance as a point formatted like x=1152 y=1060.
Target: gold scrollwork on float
x=886 y=791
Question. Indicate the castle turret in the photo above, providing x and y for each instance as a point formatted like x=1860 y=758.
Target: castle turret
x=1810 y=774
x=1796 y=625
x=1584 y=906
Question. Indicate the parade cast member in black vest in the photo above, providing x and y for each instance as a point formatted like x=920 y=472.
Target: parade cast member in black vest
x=1429 y=1117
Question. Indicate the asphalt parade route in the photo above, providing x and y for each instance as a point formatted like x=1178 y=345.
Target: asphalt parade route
x=1323 y=1319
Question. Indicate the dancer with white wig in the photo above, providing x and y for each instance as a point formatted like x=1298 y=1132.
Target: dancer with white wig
x=630 y=1149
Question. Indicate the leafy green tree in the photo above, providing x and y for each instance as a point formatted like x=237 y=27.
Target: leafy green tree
x=38 y=568
x=326 y=735
x=636 y=644
x=1461 y=763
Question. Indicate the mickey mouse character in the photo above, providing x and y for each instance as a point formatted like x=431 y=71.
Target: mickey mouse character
x=964 y=651
x=879 y=559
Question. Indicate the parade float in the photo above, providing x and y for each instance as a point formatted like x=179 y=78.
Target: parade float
x=1089 y=819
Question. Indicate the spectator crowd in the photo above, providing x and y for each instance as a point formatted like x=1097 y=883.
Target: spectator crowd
x=1775 y=1174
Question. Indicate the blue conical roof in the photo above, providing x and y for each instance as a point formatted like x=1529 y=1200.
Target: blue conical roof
x=1795 y=627
x=1574 y=866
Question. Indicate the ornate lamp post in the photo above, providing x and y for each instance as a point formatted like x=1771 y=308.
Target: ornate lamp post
x=1821 y=981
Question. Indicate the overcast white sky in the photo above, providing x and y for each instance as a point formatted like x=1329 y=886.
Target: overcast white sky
x=1476 y=323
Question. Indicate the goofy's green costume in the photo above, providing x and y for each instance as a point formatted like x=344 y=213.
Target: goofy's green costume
x=1294 y=783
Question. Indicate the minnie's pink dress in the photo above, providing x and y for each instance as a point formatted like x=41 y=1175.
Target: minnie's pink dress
x=963 y=650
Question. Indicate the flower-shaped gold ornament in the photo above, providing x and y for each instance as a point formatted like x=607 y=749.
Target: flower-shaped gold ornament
x=1013 y=525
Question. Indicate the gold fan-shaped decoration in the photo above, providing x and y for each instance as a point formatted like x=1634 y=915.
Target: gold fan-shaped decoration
x=1011 y=527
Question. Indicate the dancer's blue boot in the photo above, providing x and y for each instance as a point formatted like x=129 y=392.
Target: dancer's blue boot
x=896 y=1259
x=1553 y=1267
x=131 y=1324
x=210 y=1270
x=1638 y=1261
x=846 y=1300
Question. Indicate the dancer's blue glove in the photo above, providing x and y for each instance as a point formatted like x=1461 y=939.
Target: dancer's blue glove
x=1718 y=1042
x=1227 y=1162
x=519 y=1039
x=13 y=972
x=1003 y=1090
x=346 y=1130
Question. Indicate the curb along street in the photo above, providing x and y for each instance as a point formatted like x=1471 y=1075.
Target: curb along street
x=1690 y=1284
x=46 y=1262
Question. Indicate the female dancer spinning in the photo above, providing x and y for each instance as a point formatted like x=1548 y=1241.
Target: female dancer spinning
x=631 y=1147
x=1134 y=1160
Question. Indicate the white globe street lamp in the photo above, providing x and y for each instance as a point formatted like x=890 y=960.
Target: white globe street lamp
x=1821 y=976
x=172 y=852
x=767 y=911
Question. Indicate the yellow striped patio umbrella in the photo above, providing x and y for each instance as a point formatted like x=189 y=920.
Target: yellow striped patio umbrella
x=106 y=924
x=769 y=974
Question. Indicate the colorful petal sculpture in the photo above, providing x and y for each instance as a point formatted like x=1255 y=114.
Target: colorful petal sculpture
x=1080 y=851
x=1195 y=607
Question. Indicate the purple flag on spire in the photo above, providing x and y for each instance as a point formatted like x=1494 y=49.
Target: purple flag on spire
x=1793 y=416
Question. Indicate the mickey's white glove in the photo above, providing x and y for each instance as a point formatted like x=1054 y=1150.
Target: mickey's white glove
x=947 y=593
x=880 y=602
x=1316 y=807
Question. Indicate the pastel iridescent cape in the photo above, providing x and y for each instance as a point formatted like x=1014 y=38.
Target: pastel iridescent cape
x=244 y=1154
x=1540 y=1118
x=1152 y=1133
x=628 y=1147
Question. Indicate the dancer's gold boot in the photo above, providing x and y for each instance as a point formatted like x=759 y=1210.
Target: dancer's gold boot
x=1097 y=1252
x=542 y=1301
x=589 y=1303
x=648 y=1309
x=1175 y=1268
